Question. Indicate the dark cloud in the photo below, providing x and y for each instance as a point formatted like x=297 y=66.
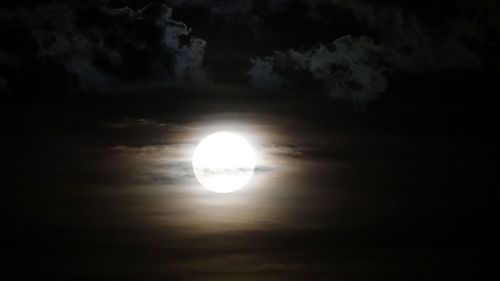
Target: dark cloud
x=396 y=38
x=263 y=76
x=347 y=69
x=231 y=7
x=100 y=48
x=119 y=45
x=219 y=7
x=416 y=42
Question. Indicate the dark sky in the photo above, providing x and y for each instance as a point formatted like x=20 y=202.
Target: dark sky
x=373 y=123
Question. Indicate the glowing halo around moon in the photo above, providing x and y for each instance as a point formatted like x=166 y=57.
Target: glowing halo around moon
x=223 y=162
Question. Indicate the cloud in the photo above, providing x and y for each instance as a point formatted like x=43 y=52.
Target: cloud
x=113 y=49
x=262 y=75
x=167 y=163
x=349 y=69
x=417 y=42
x=219 y=7
x=402 y=39
x=95 y=46
x=231 y=7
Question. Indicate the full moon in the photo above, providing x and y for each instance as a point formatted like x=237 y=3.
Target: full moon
x=223 y=162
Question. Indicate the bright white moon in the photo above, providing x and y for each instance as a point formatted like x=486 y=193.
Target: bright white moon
x=223 y=162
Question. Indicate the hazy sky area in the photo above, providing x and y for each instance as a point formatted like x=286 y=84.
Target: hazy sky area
x=372 y=123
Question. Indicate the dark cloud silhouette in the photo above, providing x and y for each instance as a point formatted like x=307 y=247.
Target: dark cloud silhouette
x=105 y=49
x=419 y=43
x=397 y=39
x=113 y=46
x=347 y=69
x=219 y=7
x=263 y=76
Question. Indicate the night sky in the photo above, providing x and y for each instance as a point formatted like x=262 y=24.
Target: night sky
x=373 y=124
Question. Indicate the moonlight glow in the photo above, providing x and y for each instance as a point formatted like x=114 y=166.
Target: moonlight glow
x=223 y=162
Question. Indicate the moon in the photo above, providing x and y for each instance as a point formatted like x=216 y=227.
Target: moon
x=223 y=162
